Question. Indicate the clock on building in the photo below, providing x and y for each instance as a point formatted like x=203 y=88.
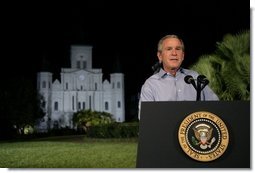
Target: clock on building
x=81 y=77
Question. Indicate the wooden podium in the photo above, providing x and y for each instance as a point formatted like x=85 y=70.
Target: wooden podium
x=159 y=128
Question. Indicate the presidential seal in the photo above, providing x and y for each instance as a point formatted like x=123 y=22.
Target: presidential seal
x=203 y=136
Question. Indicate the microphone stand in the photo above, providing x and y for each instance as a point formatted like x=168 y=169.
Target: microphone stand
x=201 y=79
x=198 y=88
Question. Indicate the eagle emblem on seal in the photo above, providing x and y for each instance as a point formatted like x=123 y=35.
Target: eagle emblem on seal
x=203 y=136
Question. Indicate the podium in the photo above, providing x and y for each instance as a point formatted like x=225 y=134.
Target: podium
x=160 y=126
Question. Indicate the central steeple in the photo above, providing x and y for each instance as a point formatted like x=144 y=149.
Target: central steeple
x=81 y=57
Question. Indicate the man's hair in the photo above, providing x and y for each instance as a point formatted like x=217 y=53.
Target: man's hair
x=166 y=37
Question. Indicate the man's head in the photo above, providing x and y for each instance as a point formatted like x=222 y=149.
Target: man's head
x=171 y=52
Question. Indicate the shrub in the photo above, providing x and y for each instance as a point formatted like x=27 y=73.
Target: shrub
x=115 y=130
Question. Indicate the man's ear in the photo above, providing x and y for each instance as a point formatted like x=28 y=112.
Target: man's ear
x=183 y=56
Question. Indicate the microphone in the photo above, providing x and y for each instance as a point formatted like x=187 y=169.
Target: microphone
x=190 y=80
x=203 y=80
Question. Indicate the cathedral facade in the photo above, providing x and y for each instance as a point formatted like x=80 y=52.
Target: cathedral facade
x=80 y=87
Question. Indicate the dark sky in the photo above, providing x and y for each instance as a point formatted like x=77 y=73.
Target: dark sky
x=128 y=31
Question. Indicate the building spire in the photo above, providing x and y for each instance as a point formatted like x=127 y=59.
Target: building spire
x=116 y=64
x=45 y=64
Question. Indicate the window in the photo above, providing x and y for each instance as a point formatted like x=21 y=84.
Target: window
x=95 y=86
x=43 y=84
x=118 y=85
x=79 y=105
x=55 y=106
x=49 y=85
x=89 y=102
x=106 y=106
x=78 y=64
x=113 y=85
x=119 y=104
x=84 y=64
x=83 y=105
x=67 y=86
x=73 y=102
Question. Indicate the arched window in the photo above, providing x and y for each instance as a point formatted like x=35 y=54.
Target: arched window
x=78 y=64
x=118 y=85
x=84 y=64
x=43 y=84
x=106 y=106
x=79 y=105
x=73 y=102
x=90 y=102
x=55 y=106
x=119 y=104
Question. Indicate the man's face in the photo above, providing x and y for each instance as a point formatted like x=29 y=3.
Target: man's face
x=172 y=54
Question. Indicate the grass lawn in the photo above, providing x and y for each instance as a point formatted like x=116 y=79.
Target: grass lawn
x=69 y=152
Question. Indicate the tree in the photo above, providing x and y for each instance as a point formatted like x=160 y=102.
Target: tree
x=228 y=69
x=19 y=104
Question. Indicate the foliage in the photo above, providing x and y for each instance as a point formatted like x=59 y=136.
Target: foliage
x=19 y=104
x=228 y=69
x=28 y=130
x=88 y=118
x=115 y=130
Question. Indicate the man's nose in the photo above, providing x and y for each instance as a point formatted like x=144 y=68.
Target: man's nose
x=173 y=52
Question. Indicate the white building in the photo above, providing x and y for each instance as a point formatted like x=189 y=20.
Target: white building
x=80 y=87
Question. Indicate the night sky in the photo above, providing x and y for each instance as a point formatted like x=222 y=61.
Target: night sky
x=123 y=31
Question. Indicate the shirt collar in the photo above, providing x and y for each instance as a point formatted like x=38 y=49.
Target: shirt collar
x=162 y=73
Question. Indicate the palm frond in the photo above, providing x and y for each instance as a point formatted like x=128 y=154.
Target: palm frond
x=228 y=69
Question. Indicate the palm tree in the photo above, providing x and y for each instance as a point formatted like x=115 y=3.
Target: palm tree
x=228 y=69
